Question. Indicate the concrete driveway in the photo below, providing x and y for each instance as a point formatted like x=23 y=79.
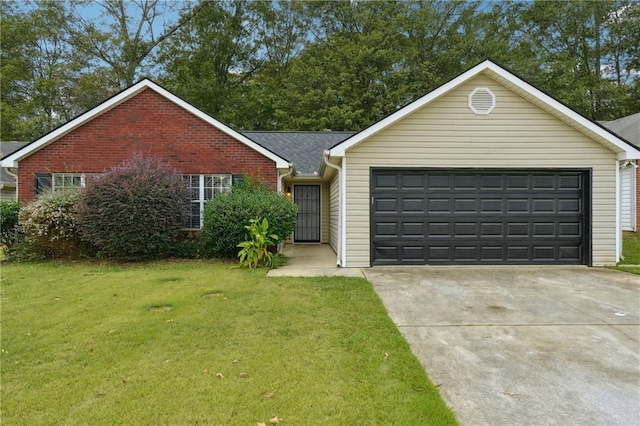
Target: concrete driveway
x=520 y=345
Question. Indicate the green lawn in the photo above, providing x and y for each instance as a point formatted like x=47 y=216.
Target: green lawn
x=200 y=342
x=631 y=248
x=631 y=253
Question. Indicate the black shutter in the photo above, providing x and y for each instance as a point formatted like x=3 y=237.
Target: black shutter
x=237 y=179
x=43 y=183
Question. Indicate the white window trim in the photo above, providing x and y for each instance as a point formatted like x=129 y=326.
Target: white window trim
x=201 y=190
x=83 y=180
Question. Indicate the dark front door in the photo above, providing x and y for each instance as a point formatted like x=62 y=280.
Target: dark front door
x=437 y=216
x=307 y=198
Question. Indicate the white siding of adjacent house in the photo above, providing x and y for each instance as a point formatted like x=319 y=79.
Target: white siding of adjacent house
x=627 y=198
x=445 y=133
x=8 y=194
x=334 y=214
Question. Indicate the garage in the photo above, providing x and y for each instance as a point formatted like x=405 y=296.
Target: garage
x=478 y=216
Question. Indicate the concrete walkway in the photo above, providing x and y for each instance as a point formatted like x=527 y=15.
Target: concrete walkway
x=522 y=345
x=312 y=260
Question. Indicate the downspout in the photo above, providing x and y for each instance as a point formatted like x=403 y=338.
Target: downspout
x=325 y=158
x=281 y=178
x=15 y=175
x=618 y=213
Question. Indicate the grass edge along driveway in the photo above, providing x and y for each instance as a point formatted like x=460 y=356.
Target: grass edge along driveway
x=201 y=342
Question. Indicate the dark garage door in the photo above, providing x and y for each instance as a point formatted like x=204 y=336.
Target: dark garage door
x=432 y=216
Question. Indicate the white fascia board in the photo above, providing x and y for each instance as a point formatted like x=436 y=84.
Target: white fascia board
x=339 y=150
x=281 y=163
x=623 y=149
x=13 y=159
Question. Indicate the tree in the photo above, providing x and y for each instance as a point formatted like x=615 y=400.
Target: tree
x=41 y=73
x=124 y=35
x=583 y=51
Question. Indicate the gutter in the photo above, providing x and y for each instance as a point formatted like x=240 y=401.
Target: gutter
x=281 y=178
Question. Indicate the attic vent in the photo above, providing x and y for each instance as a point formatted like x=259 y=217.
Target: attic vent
x=482 y=101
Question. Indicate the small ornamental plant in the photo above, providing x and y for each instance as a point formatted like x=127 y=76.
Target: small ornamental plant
x=255 y=250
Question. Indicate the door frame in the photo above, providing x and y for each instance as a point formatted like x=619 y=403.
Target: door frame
x=319 y=241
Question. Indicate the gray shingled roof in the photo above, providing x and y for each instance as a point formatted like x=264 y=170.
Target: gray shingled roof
x=628 y=127
x=7 y=148
x=303 y=149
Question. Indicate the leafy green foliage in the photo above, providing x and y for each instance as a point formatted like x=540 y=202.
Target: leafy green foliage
x=50 y=226
x=9 y=211
x=255 y=250
x=134 y=211
x=226 y=215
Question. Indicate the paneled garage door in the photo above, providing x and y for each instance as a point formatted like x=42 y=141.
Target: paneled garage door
x=435 y=216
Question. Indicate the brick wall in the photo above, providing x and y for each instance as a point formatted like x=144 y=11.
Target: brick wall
x=153 y=125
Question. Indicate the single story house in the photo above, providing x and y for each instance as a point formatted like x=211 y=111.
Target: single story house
x=485 y=169
x=629 y=128
x=8 y=180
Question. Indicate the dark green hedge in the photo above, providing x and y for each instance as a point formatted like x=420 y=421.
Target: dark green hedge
x=226 y=216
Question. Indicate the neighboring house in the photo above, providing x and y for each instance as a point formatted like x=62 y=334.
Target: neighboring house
x=486 y=169
x=7 y=180
x=629 y=128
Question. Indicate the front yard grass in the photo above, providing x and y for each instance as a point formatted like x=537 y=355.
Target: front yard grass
x=201 y=343
x=631 y=253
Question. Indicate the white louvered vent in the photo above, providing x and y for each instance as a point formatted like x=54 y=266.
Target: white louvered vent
x=482 y=101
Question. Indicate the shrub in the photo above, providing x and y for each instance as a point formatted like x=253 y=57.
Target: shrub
x=226 y=216
x=9 y=211
x=50 y=226
x=134 y=211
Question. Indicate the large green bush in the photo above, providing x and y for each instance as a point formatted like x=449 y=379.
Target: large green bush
x=50 y=226
x=134 y=211
x=226 y=216
x=9 y=211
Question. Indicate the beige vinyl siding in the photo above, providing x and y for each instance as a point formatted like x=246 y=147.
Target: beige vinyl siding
x=445 y=133
x=324 y=211
x=334 y=212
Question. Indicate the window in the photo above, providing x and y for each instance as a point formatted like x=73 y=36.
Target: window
x=203 y=188
x=68 y=180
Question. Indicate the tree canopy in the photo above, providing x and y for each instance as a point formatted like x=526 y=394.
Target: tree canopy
x=296 y=65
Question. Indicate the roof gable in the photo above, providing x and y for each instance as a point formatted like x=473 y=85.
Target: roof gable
x=13 y=159
x=623 y=148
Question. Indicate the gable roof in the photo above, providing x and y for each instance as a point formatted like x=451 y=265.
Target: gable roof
x=628 y=127
x=624 y=149
x=304 y=149
x=13 y=159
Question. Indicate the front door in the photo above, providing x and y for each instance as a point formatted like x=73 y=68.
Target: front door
x=307 y=198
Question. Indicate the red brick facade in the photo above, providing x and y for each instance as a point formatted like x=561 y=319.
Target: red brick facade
x=151 y=124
